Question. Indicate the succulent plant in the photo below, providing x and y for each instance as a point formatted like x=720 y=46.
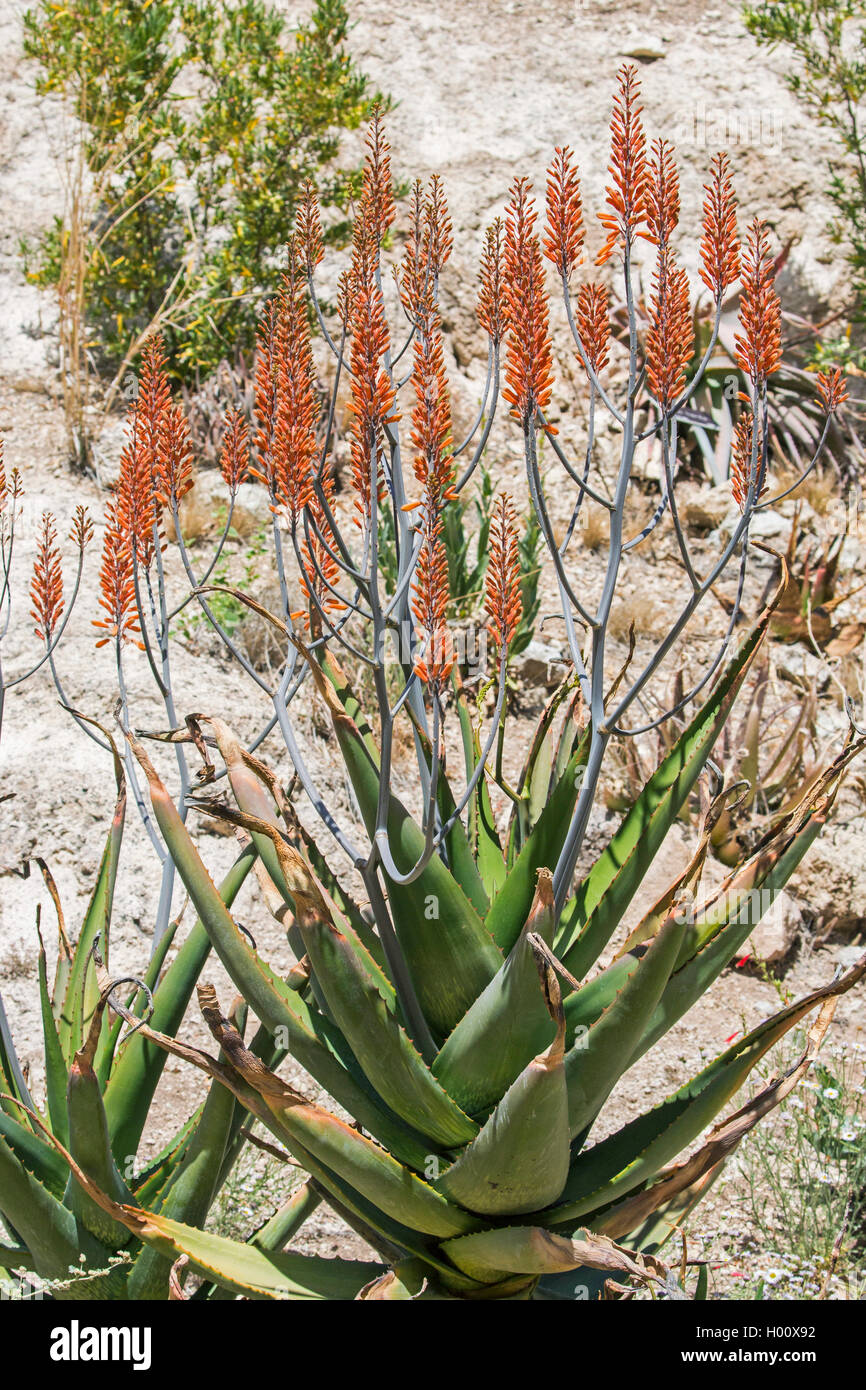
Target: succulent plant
x=464 y=988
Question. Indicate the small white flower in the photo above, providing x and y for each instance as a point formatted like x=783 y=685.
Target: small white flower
x=774 y=1275
x=849 y=1134
x=830 y=1093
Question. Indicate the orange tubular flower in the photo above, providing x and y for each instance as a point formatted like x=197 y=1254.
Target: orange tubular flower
x=720 y=244
x=626 y=196
x=429 y=604
x=565 y=230
x=741 y=460
x=671 y=334
x=117 y=587
x=833 y=389
x=173 y=476
x=4 y=486
x=378 y=192
x=153 y=404
x=308 y=228
x=759 y=345
x=593 y=324
x=437 y=224
x=492 y=309
x=235 y=452
x=412 y=278
x=46 y=587
x=662 y=195
x=503 y=604
x=136 y=497
x=373 y=396
x=81 y=530
x=297 y=410
x=528 y=357
x=143 y=484
x=318 y=564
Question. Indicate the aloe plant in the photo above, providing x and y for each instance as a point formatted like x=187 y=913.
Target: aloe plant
x=464 y=988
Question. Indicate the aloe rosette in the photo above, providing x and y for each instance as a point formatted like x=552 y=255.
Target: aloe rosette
x=474 y=1004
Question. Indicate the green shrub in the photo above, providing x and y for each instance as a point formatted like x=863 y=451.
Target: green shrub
x=199 y=124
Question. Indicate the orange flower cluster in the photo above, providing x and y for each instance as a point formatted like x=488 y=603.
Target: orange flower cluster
x=161 y=430
x=662 y=194
x=742 y=474
x=593 y=324
x=503 y=604
x=759 y=345
x=431 y=413
x=173 y=476
x=491 y=308
x=720 y=244
x=626 y=196
x=378 y=191
x=373 y=396
x=297 y=401
x=286 y=401
x=308 y=228
x=431 y=436
x=671 y=335
x=565 y=229
x=116 y=582
x=438 y=227
x=4 y=486
x=833 y=389
x=46 y=587
x=81 y=530
x=428 y=246
x=429 y=605
x=155 y=471
x=235 y=452
x=528 y=357
x=319 y=569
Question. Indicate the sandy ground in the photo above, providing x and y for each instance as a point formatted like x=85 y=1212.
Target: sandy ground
x=482 y=91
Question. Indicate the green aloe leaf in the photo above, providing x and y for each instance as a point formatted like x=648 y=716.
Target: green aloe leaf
x=48 y=1230
x=277 y=1006
x=519 y=1161
x=139 y=1065
x=384 y=1051
x=82 y=990
x=12 y=1079
x=508 y=1024
x=311 y=1132
x=89 y=1142
x=37 y=1157
x=483 y=837
x=191 y=1190
x=635 y=1154
x=135 y=1004
x=150 y=1185
x=541 y=851
x=598 y=1058
x=722 y=930
x=449 y=952
x=285 y=1223
x=591 y=917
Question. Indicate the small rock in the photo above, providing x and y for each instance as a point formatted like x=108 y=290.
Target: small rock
x=541 y=663
x=707 y=509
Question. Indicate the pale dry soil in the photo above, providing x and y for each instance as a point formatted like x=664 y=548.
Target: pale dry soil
x=482 y=92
